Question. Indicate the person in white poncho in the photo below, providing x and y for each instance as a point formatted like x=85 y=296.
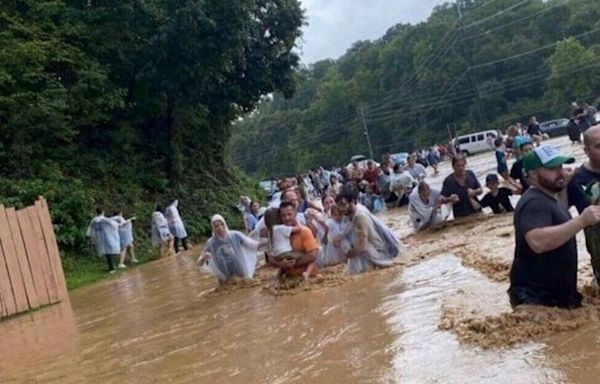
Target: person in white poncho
x=161 y=237
x=228 y=254
x=104 y=234
x=425 y=207
x=373 y=244
x=176 y=226
x=125 y=238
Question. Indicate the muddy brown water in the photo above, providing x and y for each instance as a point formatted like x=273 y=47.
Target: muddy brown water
x=164 y=323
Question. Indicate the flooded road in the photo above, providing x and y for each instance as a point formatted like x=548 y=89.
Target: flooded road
x=425 y=322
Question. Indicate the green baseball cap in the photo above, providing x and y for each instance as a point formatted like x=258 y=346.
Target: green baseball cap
x=545 y=156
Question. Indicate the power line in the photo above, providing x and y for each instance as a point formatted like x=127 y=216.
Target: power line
x=517 y=21
x=502 y=87
x=448 y=46
x=493 y=62
x=404 y=88
x=513 y=57
x=499 y=13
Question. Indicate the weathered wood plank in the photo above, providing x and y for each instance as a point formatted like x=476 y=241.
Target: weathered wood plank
x=52 y=247
x=12 y=264
x=7 y=299
x=34 y=212
x=34 y=257
x=22 y=257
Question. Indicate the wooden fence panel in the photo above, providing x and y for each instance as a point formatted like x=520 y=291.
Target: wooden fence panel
x=21 y=253
x=52 y=247
x=7 y=299
x=12 y=264
x=43 y=252
x=33 y=255
x=31 y=271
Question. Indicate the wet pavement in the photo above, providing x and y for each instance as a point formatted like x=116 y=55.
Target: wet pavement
x=161 y=323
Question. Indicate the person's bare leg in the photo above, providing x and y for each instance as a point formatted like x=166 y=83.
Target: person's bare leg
x=131 y=250
x=122 y=258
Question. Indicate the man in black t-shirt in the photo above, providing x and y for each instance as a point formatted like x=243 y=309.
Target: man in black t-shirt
x=498 y=197
x=544 y=270
x=516 y=172
x=585 y=175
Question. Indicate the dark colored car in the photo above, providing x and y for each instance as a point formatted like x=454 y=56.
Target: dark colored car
x=554 y=128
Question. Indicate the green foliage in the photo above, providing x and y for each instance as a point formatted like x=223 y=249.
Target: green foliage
x=411 y=82
x=570 y=55
x=127 y=103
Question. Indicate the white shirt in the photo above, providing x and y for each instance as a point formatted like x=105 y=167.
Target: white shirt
x=281 y=239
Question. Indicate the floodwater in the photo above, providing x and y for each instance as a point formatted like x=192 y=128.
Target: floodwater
x=442 y=317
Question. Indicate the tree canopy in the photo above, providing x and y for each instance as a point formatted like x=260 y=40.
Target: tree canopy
x=526 y=58
x=126 y=102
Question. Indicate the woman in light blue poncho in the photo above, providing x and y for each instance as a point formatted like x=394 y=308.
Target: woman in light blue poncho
x=104 y=234
x=176 y=226
x=125 y=238
x=161 y=237
x=228 y=253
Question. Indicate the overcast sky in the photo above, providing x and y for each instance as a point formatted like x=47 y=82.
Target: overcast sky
x=335 y=24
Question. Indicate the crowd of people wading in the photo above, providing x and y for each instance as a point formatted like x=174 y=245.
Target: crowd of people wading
x=329 y=217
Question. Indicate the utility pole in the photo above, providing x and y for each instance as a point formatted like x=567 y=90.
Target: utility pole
x=366 y=130
x=467 y=57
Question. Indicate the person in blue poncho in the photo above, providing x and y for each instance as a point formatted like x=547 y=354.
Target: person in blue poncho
x=104 y=234
x=125 y=238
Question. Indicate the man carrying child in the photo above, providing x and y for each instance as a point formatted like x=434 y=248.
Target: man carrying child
x=302 y=240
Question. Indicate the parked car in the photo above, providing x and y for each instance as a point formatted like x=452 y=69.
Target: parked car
x=400 y=157
x=555 y=128
x=476 y=142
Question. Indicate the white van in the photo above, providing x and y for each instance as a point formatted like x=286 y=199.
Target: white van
x=476 y=142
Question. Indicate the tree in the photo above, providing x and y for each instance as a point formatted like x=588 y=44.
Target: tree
x=124 y=102
x=573 y=71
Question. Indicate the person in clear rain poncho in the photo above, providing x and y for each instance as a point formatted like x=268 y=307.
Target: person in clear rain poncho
x=161 y=237
x=104 y=234
x=425 y=207
x=228 y=254
x=125 y=238
x=176 y=226
x=338 y=239
x=373 y=244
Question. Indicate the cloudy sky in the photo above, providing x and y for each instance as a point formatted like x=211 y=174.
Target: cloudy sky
x=335 y=24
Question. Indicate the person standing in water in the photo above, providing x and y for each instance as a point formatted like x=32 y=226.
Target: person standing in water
x=228 y=254
x=583 y=178
x=544 y=269
x=373 y=244
x=498 y=198
x=104 y=234
x=176 y=226
x=461 y=188
x=302 y=241
x=424 y=207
